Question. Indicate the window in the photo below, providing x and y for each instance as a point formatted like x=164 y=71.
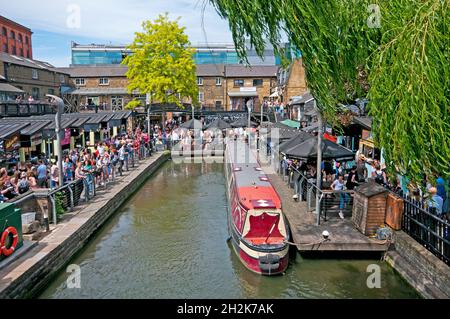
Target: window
x=14 y=51
x=51 y=91
x=218 y=81
x=13 y=35
x=80 y=82
x=201 y=96
x=4 y=32
x=104 y=81
x=116 y=103
x=26 y=40
x=238 y=83
x=62 y=79
x=199 y=81
x=257 y=82
x=28 y=54
x=218 y=104
x=20 y=38
x=34 y=74
x=5 y=47
x=21 y=52
x=35 y=93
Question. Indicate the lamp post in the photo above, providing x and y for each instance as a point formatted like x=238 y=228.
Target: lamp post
x=319 y=161
x=58 y=103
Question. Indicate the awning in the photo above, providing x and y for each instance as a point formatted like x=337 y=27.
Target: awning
x=5 y=87
x=100 y=91
x=243 y=94
x=7 y=130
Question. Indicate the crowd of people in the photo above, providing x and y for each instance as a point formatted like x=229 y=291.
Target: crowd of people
x=98 y=164
x=341 y=176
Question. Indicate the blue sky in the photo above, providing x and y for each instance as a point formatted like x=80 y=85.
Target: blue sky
x=55 y=23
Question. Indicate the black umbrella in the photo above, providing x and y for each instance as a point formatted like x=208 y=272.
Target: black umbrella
x=330 y=150
x=298 y=139
x=242 y=122
x=219 y=124
x=192 y=125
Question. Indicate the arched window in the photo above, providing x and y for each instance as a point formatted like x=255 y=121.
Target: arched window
x=26 y=39
x=4 y=32
x=13 y=35
x=20 y=38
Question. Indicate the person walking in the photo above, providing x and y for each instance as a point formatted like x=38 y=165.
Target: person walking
x=42 y=175
x=338 y=185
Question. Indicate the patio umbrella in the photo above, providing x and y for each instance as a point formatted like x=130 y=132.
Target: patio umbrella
x=291 y=123
x=330 y=150
x=296 y=140
x=242 y=122
x=192 y=125
x=219 y=124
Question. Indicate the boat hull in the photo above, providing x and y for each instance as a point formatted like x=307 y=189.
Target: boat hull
x=268 y=262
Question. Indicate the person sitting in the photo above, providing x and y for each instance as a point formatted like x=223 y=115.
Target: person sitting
x=23 y=185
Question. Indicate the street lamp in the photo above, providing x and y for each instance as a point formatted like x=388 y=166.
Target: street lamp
x=319 y=161
x=58 y=104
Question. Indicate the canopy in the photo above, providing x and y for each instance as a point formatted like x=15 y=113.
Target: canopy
x=291 y=123
x=243 y=122
x=219 y=124
x=5 y=87
x=296 y=140
x=192 y=125
x=330 y=150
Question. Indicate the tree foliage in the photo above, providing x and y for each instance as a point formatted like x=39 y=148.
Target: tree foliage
x=395 y=52
x=162 y=63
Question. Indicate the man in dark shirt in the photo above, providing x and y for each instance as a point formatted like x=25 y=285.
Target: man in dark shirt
x=351 y=179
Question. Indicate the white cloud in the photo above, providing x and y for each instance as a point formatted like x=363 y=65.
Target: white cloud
x=116 y=20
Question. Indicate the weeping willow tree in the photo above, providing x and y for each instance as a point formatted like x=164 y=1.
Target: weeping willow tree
x=395 y=52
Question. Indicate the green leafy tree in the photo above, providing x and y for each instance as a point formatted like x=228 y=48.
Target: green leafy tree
x=162 y=64
x=394 y=52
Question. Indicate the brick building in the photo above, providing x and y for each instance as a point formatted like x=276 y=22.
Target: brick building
x=15 y=39
x=211 y=85
x=32 y=77
x=291 y=81
x=248 y=86
x=104 y=86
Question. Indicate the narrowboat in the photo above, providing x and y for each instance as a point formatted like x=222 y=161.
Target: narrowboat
x=258 y=229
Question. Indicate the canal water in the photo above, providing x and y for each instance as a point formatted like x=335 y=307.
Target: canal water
x=169 y=241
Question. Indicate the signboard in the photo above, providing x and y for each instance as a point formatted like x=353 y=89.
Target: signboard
x=367 y=135
x=12 y=143
x=66 y=139
x=248 y=89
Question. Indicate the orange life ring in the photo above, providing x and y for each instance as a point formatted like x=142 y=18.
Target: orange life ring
x=8 y=251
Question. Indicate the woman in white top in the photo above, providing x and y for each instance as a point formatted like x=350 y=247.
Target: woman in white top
x=339 y=185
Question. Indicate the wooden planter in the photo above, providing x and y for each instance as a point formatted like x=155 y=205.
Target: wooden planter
x=394 y=211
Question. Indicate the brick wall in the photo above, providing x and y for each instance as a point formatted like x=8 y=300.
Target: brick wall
x=22 y=77
x=425 y=272
x=20 y=44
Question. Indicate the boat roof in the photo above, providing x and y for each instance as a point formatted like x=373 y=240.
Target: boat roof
x=254 y=187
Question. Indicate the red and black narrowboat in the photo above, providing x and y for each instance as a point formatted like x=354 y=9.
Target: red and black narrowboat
x=258 y=228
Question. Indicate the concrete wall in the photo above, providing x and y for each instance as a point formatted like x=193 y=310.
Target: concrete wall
x=32 y=281
x=425 y=272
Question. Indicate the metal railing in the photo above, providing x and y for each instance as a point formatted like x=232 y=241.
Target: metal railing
x=331 y=202
x=72 y=191
x=428 y=229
